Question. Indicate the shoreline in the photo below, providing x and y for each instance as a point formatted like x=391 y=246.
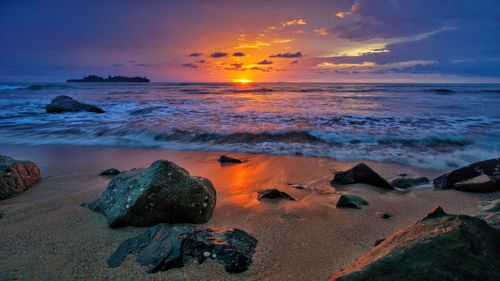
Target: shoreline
x=47 y=235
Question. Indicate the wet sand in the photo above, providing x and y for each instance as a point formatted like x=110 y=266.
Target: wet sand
x=46 y=235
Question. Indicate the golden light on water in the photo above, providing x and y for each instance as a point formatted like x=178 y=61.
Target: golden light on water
x=242 y=80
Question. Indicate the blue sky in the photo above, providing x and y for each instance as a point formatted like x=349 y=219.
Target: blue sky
x=337 y=41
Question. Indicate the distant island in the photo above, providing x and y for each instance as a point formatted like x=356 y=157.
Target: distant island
x=95 y=78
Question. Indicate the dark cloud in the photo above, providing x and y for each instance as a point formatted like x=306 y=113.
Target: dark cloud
x=218 y=54
x=201 y=61
x=265 y=62
x=117 y=65
x=195 y=54
x=189 y=65
x=238 y=54
x=261 y=68
x=294 y=62
x=234 y=66
x=142 y=64
x=287 y=55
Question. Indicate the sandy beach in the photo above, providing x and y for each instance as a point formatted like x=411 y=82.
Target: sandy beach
x=47 y=235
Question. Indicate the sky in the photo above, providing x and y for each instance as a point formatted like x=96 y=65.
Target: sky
x=259 y=40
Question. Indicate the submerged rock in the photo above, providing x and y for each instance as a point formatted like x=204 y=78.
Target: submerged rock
x=110 y=172
x=361 y=173
x=16 y=176
x=227 y=159
x=274 y=194
x=481 y=183
x=163 y=247
x=164 y=192
x=489 y=167
x=351 y=201
x=438 y=247
x=406 y=182
x=69 y=104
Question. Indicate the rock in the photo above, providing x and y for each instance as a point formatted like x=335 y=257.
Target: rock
x=163 y=247
x=109 y=172
x=481 y=183
x=164 y=192
x=493 y=219
x=68 y=104
x=351 y=201
x=438 y=247
x=274 y=194
x=490 y=205
x=489 y=167
x=378 y=241
x=361 y=173
x=16 y=176
x=227 y=159
x=406 y=182
x=385 y=215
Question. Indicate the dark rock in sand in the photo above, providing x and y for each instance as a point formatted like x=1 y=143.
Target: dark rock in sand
x=385 y=215
x=378 y=241
x=16 y=176
x=164 y=192
x=481 y=183
x=227 y=159
x=274 y=194
x=163 y=247
x=361 y=173
x=406 y=182
x=68 y=104
x=110 y=172
x=351 y=201
x=489 y=167
x=438 y=247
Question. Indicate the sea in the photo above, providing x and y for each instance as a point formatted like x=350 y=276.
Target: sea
x=437 y=126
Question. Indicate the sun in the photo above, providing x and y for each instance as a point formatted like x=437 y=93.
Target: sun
x=242 y=81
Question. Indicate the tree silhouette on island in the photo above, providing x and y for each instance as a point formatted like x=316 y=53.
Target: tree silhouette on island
x=95 y=78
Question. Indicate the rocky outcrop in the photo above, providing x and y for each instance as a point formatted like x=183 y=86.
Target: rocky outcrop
x=490 y=168
x=163 y=247
x=274 y=194
x=351 y=201
x=438 y=247
x=481 y=183
x=110 y=172
x=226 y=159
x=68 y=104
x=16 y=176
x=406 y=182
x=164 y=192
x=361 y=173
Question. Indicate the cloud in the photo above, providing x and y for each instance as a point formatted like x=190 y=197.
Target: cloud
x=261 y=68
x=287 y=55
x=189 y=65
x=201 y=61
x=142 y=65
x=265 y=62
x=117 y=65
x=295 y=62
x=218 y=54
x=253 y=45
x=343 y=14
x=322 y=31
x=294 y=22
x=281 y=41
x=196 y=54
x=234 y=66
x=238 y=54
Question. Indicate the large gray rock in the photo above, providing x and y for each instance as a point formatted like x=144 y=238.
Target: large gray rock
x=361 y=173
x=489 y=167
x=69 y=104
x=163 y=247
x=16 y=176
x=164 y=192
x=435 y=248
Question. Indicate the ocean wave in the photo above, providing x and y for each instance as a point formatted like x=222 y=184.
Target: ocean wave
x=33 y=87
x=10 y=87
x=441 y=91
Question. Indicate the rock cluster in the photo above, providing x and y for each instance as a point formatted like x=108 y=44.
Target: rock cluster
x=163 y=247
x=361 y=173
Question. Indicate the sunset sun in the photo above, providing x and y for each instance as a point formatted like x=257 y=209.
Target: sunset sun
x=242 y=80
